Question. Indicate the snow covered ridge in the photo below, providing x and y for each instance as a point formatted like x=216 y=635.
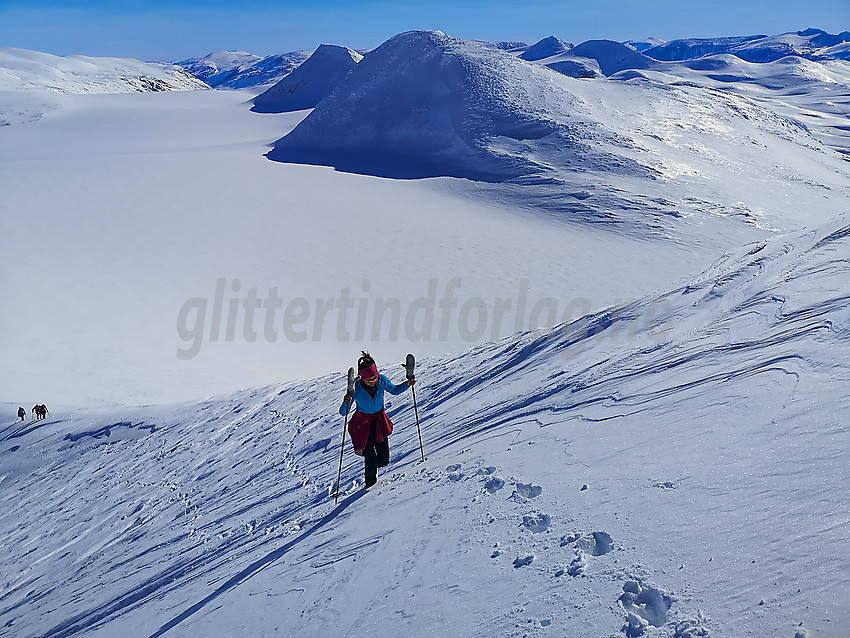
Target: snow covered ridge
x=308 y=84
x=22 y=70
x=209 y=68
x=425 y=104
x=577 y=483
x=812 y=44
x=238 y=69
x=545 y=48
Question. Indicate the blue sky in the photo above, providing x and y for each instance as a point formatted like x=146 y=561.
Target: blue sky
x=160 y=30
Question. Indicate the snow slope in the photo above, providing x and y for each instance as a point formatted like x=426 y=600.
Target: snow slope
x=612 y=57
x=665 y=455
x=172 y=193
x=545 y=48
x=308 y=84
x=813 y=44
x=815 y=94
x=633 y=151
x=420 y=106
x=238 y=69
x=675 y=466
x=24 y=70
x=32 y=83
x=212 y=66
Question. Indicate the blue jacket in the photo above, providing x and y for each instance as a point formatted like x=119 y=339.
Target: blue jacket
x=365 y=403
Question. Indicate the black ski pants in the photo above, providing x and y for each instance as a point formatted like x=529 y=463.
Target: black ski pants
x=374 y=456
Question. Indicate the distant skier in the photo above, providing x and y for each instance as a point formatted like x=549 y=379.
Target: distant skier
x=41 y=412
x=370 y=426
x=22 y=413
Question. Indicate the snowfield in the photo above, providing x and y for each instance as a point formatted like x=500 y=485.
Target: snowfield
x=624 y=279
x=239 y=69
x=685 y=477
x=635 y=152
x=31 y=82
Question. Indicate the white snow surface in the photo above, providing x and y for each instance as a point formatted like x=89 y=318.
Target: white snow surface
x=308 y=84
x=22 y=70
x=218 y=62
x=545 y=48
x=122 y=209
x=814 y=44
x=640 y=182
x=239 y=69
x=612 y=57
x=632 y=341
x=635 y=152
x=681 y=477
x=31 y=81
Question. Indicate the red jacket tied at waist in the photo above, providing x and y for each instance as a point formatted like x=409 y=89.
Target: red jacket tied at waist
x=361 y=424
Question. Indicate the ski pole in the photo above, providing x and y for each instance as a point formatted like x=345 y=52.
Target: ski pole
x=416 y=411
x=349 y=392
x=409 y=365
x=341 y=452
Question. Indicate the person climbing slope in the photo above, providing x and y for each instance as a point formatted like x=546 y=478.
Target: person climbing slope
x=370 y=426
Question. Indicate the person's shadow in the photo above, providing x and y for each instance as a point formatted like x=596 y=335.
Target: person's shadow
x=259 y=564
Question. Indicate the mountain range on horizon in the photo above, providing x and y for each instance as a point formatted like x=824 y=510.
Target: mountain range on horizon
x=238 y=69
x=22 y=69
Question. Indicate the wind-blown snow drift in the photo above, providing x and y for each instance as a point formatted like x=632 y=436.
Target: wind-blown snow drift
x=308 y=85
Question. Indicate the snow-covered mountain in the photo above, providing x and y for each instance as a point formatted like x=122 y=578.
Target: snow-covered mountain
x=238 y=69
x=590 y=59
x=22 y=70
x=308 y=84
x=420 y=105
x=611 y=56
x=813 y=44
x=425 y=104
x=643 y=45
x=812 y=93
x=212 y=66
x=676 y=466
x=34 y=83
x=545 y=48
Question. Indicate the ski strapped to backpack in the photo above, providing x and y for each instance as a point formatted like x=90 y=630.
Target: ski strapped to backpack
x=352 y=377
x=409 y=365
